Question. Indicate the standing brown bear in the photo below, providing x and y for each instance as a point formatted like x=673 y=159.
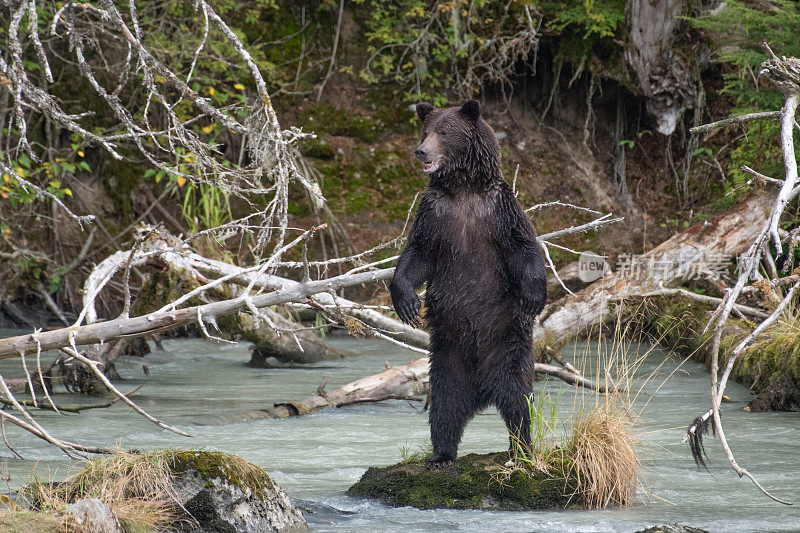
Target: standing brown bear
x=473 y=246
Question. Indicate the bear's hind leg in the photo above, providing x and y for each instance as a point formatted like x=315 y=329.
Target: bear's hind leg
x=514 y=409
x=453 y=404
x=508 y=381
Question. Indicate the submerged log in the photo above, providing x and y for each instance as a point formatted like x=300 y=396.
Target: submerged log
x=283 y=339
x=472 y=482
x=672 y=528
x=405 y=382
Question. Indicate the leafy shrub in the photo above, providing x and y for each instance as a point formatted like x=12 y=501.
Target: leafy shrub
x=738 y=30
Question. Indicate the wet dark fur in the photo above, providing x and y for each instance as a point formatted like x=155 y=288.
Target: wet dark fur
x=477 y=251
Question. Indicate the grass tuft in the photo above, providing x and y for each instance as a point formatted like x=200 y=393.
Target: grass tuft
x=604 y=459
x=597 y=448
x=137 y=487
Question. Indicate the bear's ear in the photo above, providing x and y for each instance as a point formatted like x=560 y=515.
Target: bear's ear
x=423 y=110
x=471 y=110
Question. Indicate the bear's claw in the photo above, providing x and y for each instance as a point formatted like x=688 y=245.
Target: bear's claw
x=408 y=310
x=531 y=306
x=435 y=463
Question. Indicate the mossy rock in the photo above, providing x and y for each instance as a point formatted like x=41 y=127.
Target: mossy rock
x=229 y=468
x=672 y=528
x=178 y=489
x=472 y=482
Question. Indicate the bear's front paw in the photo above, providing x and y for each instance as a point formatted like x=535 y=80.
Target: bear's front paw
x=532 y=304
x=439 y=461
x=407 y=309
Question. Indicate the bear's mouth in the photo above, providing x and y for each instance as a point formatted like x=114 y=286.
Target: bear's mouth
x=430 y=167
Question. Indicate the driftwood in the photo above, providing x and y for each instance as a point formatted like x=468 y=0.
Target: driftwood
x=281 y=338
x=728 y=235
x=272 y=334
x=161 y=248
x=404 y=382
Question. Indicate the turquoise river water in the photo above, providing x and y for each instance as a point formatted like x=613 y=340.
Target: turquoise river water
x=206 y=389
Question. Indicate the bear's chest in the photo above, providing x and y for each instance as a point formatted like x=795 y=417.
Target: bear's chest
x=464 y=220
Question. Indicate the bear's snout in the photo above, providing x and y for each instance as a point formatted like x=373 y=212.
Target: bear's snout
x=429 y=153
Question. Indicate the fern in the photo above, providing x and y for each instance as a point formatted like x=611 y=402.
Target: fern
x=738 y=31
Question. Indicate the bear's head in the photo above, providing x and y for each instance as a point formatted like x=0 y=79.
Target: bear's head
x=456 y=140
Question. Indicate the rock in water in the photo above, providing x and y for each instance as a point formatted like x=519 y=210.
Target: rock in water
x=231 y=497
x=672 y=528
x=472 y=482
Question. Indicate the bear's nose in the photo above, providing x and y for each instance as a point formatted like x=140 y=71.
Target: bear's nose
x=421 y=153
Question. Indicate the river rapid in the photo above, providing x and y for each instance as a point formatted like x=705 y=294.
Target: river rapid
x=206 y=389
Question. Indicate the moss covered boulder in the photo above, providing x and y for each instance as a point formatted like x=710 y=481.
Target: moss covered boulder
x=225 y=493
x=169 y=490
x=473 y=482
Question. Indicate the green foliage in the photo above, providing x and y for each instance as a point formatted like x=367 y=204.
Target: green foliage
x=432 y=49
x=337 y=121
x=631 y=143
x=583 y=25
x=543 y=410
x=738 y=31
x=205 y=206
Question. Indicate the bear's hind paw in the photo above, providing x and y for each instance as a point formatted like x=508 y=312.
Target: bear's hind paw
x=436 y=462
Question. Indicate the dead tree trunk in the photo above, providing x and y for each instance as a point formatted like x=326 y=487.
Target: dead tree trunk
x=724 y=236
x=666 y=75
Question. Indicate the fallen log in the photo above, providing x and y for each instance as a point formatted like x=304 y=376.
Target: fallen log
x=100 y=332
x=272 y=334
x=389 y=326
x=726 y=235
x=163 y=245
x=404 y=382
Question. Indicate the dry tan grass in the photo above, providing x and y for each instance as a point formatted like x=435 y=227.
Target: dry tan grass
x=599 y=444
x=137 y=487
x=603 y=457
